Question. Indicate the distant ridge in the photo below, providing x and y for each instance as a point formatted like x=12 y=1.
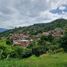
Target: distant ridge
x=2 y=29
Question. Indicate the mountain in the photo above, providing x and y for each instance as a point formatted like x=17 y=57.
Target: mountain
x=38 y=28
x=2 y=29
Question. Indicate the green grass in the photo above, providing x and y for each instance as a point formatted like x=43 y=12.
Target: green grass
x=46 y=60
x=56 y=60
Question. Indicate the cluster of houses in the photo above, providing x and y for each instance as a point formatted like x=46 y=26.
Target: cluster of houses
x=21 y=39
x=58 y=32
x=25 y=39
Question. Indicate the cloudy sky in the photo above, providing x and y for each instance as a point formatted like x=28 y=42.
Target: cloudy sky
x=15 y=13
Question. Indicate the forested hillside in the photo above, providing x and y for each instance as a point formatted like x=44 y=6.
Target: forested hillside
x=38 y=28
x=24 y=46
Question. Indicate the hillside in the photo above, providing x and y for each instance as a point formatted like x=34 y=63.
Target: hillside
x=57 y=60
x=38 y=28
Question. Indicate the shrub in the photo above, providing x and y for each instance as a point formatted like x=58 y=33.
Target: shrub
x=37 y=51
x=18 y=50
x=64 y=42
x=26 y=53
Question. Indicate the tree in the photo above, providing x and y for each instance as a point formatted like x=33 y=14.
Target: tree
x=18 y=50
x=64 y=42
x=26 y=53
x=8 y=41
x=37 y=51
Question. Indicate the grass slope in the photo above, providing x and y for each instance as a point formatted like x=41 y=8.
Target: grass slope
x=56 y=60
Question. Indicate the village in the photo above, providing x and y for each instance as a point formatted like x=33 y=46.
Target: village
x=33 y=33
x=25 y=40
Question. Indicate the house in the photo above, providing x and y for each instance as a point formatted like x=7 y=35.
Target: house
x=58 y=32
x=21 y=39
x=45 y=33
x=23 y=43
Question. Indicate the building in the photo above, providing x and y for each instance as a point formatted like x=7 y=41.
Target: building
x=58 y=32
x=21 y=39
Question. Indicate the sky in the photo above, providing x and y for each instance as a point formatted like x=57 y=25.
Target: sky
x=15 y=13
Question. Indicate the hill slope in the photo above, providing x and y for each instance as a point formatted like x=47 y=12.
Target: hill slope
x=38 y=28
x=56 y=60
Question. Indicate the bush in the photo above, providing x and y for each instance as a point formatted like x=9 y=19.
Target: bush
x=60 y=50
x=18 y=50
x=64 y=42
x=2 y=49
x=37 y=51
x=26 y=53
x=8 y=42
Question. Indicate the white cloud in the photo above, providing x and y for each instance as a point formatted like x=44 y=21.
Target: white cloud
x=27 y=12
x=62 y=8
x=47 y=16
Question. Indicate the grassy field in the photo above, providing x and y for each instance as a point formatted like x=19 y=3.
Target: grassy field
x=56 y=60
x=46 y=60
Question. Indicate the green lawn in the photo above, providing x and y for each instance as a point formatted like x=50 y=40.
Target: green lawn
x=56 y=60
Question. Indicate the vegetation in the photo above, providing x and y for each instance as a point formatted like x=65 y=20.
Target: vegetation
x=42 y=52
x=38 y=28
x=46 y=60
x=46 y=44
x=64 y=42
